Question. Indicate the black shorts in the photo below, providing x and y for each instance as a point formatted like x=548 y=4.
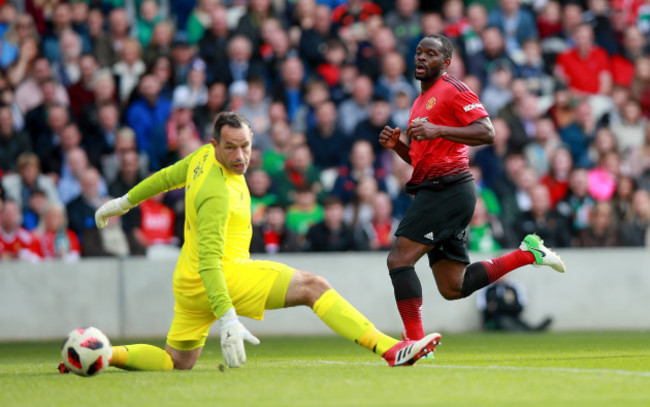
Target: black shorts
x=440 y=219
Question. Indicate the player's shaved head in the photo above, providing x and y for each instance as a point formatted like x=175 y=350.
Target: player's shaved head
x=446 y=47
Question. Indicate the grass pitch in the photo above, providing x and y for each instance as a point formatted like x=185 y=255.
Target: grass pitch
x=554 y=369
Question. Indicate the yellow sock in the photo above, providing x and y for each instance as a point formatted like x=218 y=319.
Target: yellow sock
x=346 y=321
x=141 y=357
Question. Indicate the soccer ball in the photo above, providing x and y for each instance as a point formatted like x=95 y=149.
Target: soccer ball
x=86 y=351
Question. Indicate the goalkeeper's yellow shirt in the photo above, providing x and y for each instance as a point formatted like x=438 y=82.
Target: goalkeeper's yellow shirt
x=217 y=225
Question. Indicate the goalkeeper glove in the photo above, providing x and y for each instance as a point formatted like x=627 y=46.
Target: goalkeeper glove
x=114 y=207
x=233 y=334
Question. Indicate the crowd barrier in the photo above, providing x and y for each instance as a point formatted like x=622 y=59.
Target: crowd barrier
x=603 y=289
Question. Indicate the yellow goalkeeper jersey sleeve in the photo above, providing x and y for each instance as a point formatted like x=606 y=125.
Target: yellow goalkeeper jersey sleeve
x=217 y=224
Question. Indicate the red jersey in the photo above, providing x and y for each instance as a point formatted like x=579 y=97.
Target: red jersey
x=157 y=222
x=19 y=244
x=582 y=73
x=449 y=102
x=57 y=244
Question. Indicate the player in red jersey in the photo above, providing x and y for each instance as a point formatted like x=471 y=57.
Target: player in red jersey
x=446 y=118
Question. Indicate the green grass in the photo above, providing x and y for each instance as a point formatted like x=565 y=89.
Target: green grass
x=557 y=369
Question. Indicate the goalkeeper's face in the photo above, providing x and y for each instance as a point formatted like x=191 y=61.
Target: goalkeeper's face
x=233 y=151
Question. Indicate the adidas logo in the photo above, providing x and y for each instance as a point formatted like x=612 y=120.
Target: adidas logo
x=429 y=236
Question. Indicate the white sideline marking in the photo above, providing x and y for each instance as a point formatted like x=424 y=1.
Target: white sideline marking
x=497 y=367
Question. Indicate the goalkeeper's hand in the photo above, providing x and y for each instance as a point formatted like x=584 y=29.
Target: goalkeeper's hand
x=114 y=207
x=233 y=334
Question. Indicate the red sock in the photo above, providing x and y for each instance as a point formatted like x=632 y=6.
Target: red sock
x=497 y=268
x=411 y=312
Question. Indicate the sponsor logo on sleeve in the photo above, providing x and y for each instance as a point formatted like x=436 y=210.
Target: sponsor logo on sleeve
x=472 y=106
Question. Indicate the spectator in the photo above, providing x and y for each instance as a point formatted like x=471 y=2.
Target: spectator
x=146 y=114
x=56 y=240
x=507 y=189
x=369 y=128
x=641 y=83
x=256 y=110
x=538 y=151
x=392 y=79
x=493 y=54
x=75 y=164
x=107 y=46
x=602 y=178
x=205 y=114
x=21 y=28
x=515 y=22
x=602 y=230
x=533 y=69
x=502 y=304
x=272 y=235
x=81 y=210
x=128 y=173
x=622 y=200
x=29 y=93
x=60 y=23
x=331 y=234
x=577 y=204
x=104 y=91
x=124 y=142
x=315 y=31
x=356 y=108
x=195 y=88
x=162 y=69
x=12 y=142
x=557 y=178
x=359 y=211
x=66 y=69
x=262 y=197
x=548 y=224
x=108 y=241
x=213 y=45
x=67 y=137
x=549 y=21
x=578 y=66
x=180 y=120
x=275 y=157
x=486 y=232
x=36 y=119
x=147 y=19
x=15 y=241
x=380 y=229
x=522 y=125
x=82 y=92
x=603 y=143
x=470 y=42
x=239 y=64
x=579 y=133
x=29 y=179
x=354 y=11
x=404 y=21
x=317 y=92
x=630 y=132
x=634 y=46
x=299 y=173
x=490 y=200
x=160 y=44
x=327 y=142
x=635 y=233
x=362 y=159
x=400 y=111
x=305 y=212
x=155 y=224
x=497 y=93
x=250 y=23
x=128 y=69
x=289 y=89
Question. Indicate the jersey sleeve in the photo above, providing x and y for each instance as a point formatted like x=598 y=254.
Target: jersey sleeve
x=467 y=108
x=212 y=207
x=171 y=177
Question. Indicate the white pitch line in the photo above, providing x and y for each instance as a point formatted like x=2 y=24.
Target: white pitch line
x=497 y=367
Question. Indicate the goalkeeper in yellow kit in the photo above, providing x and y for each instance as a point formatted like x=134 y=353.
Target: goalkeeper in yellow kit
x=215 y=279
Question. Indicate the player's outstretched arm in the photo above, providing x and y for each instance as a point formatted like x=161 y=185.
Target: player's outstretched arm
x=114 y=207
x=233 y=335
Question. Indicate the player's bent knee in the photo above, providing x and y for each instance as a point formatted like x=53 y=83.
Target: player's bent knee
x=450 y=293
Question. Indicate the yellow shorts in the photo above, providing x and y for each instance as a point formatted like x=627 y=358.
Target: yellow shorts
x=254 y=286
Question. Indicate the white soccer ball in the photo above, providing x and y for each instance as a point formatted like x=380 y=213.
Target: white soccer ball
x=86 y=351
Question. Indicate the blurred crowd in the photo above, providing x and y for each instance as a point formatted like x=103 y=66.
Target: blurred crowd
x=97 y=94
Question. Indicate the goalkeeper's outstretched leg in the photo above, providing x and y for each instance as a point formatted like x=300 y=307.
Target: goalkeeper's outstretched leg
x=314 y=291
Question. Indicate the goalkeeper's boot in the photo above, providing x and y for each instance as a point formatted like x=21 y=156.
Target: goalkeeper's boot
x=406 y=353
x=543 y=255
x=62 y=369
